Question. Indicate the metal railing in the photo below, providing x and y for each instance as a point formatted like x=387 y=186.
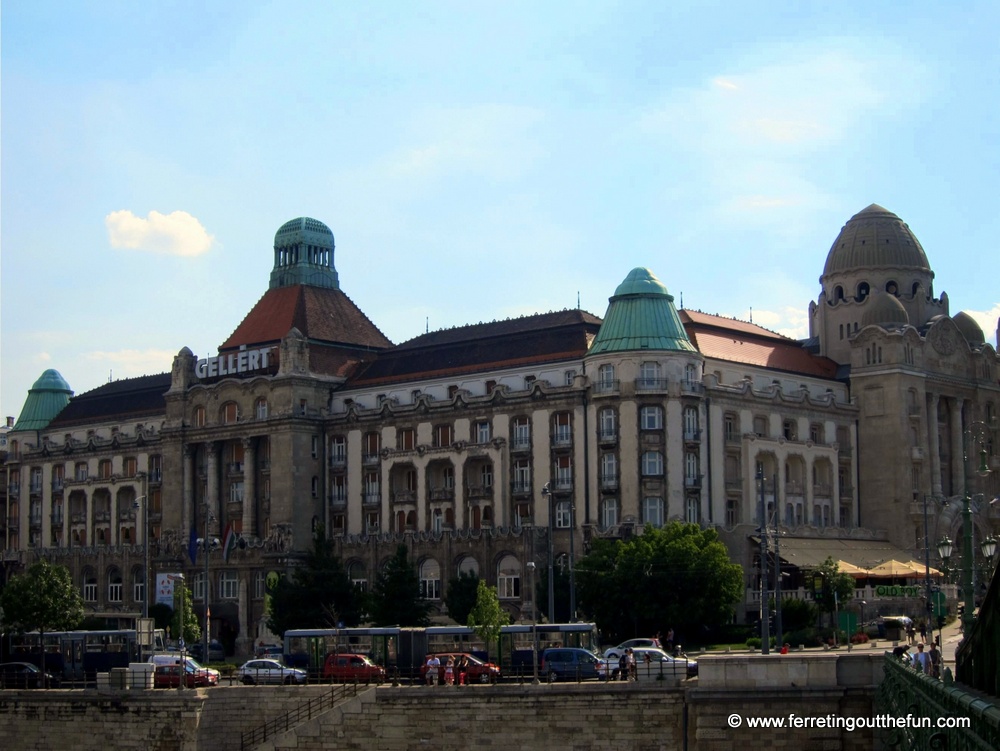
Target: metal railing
x=904 y=692
x=978 y=657
x=302 y=713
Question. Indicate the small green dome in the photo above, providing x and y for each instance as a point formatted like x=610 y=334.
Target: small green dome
x=46 y=399
x=641 y=316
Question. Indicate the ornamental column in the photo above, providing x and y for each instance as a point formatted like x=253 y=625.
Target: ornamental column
x=187 y=494
x=249 y=486
x=935 y=444
x=212 y=500
x=957 y=448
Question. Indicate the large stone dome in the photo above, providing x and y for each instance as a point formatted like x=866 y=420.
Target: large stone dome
x=969 y=328
x=875 y=238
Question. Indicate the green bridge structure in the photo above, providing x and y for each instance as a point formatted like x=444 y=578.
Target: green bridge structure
x=974 y=693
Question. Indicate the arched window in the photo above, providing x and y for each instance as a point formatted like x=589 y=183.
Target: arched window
x=89 y=585
x=468 y=566
x=199 y=417
x=430 y=580
x=838 y=294
x=114 y=585
x=230 y=413
x=509 y=578
x=356 y=573
x=138 y=585
x=864 y=289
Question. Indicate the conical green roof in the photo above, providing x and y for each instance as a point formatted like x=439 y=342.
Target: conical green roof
x=641 y=316
x=46 y=399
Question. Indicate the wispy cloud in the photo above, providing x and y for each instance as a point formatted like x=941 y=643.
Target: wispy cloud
x=987 y=320
x=754 y=134
x=491 y=140
x=177 y=233
x=129 y=363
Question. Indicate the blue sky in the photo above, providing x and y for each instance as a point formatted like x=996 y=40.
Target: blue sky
x=475 y=161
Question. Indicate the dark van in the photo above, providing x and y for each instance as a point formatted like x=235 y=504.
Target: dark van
x=571 y=664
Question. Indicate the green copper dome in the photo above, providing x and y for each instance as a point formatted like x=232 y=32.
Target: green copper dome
x=46 y=399
x=303 y=254
x=641 y=316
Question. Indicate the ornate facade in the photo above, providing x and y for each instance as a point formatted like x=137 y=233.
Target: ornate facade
x=486 y=446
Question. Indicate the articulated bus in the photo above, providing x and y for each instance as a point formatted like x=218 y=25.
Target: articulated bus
x=401 y=651
x=78 y=656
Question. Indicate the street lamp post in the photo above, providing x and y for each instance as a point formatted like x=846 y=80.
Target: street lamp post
x=207 y=545
x=145 y=549
x=968 y=585
x=552 y=591
x=765 y=615
x=534 y=622
x=927 y=569
x=572 y=575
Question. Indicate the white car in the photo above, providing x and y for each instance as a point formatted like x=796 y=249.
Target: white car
x=615 y=652
x=651 y=663
x=173 y=658
x=269 y=671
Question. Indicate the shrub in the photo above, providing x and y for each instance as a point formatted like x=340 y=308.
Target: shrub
x=859 y=639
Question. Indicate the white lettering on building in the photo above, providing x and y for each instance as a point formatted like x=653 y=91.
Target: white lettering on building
x=244 y=361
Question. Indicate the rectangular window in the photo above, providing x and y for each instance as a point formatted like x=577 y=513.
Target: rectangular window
x=229 y=585
x=651 y=418
x=508 y=585
x=338 y=450
x=562 y=515
x=609 y=513
x=608 y=425
x=732 y=513
x=129 y=466
x=442 y=436
x=315 y=447
x=569 y=376
x=104 y=469
x=483 y=433
x=730 y=427
x=652 y=511
x=522 y=433
x=561 y=430
x=407 y=439
x=522 y=476
x=486 y=475
x=564 y=472
x=138 y=590
x=115 y=591
x=90 y=591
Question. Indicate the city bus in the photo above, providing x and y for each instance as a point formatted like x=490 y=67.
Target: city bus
x=77 y=656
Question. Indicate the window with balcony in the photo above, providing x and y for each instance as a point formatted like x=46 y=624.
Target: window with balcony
x=372 y=445
x=790 y=430
x=652 y=511
x=338 y=450
x=652 y=464
x=608 y=424
x=522 y=476
x=509 y=578
x=564 y=472
x=561 y=429
x=691 y=473
x=731 y=427
x=372 y=490
x=651 y=418
x=692 y=429
x=649 y=376
x=609 y=470
x=338 y=490
x=36 y=480
x=521 y=438
x=606 y=379
x=58 y=475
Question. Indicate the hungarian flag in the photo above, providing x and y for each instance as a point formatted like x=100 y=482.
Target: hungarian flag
x=228 y=542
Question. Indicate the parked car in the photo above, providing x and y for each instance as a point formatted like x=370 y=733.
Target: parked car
x=173 y=658
x=25 y=675
x=571 y=663
x=169 y=676
x=659 y=663
x=269 y=671
x=615 y=652
x=343 y=667
x=216 y=652
x=477 y=671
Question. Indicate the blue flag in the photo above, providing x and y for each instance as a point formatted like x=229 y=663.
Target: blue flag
x=193 y=545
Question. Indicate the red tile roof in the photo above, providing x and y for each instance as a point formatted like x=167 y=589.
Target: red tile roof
x=325 y=315
x=739 y=341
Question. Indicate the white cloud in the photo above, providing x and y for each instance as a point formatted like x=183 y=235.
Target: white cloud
x=987 y=321
x=176 y=234
x=788 y=320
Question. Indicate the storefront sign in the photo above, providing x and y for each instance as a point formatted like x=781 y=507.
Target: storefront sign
x=244 y=361
x=887 y=590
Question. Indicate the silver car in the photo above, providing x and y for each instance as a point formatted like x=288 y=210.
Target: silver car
x=269 y=671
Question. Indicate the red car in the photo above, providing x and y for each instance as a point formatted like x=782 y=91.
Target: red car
x=342 y=667
x=476 y=671
x=168 y=676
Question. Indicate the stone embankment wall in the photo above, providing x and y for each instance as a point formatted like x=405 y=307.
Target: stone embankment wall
x=559 y=717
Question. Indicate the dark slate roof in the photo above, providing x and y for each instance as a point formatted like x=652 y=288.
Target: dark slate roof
x=325 y=315
x=546 y=337
x=127 y=399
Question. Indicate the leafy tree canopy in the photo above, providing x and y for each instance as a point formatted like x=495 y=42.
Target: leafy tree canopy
x=184 y=613
x=318 y=594
x=462 y=594
x=833 y=586
x=42 y=599
x=679 y=577
x=560 y=594
x=487 y=616
x=396 y=599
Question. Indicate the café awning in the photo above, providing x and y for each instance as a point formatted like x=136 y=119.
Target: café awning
x=858 y=558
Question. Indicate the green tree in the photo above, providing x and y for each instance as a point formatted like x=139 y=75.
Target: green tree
x=679 y=577
x=42 y=599
x=396 y=599
x=461 y=598
x=487 y=616
x=184 y=613
x=318 y=594
x=832 y=586
x=797 y=614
